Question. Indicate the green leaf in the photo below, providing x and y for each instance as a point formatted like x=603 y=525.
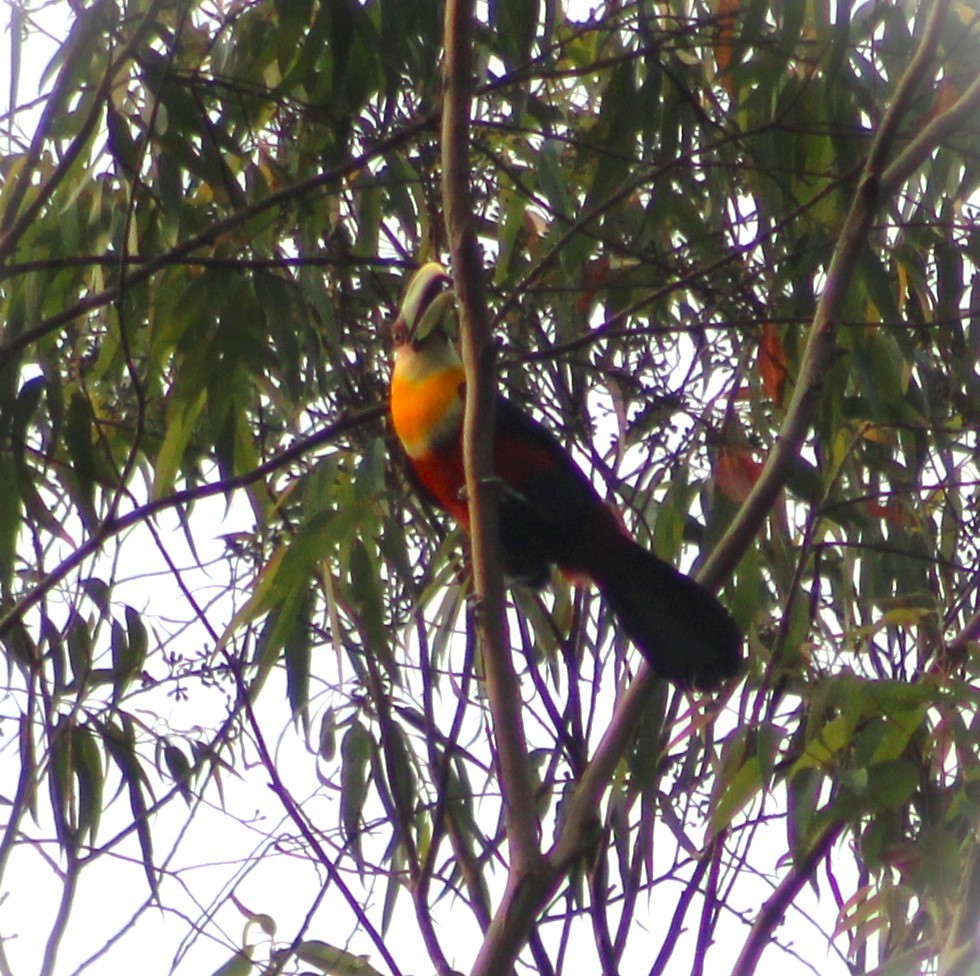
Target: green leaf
x=621 y=114
x=296 y=657
x=644 y=756
x=137 y=641
x=285 y=578
x=279 y=628
x=356 y=750
x=327 y=744
x=803 y=794
x=366 y=597
x=286 y=317
x=91 y=781
x=333 y=961
x=394 y=886
x=294 y=21
x=370 y=202
x=179 y=767
x=401 y=770
x=10 y=519
x=181 y=306
x=97 y=590
x=240 y=964
x=515 y=24
x=459 y=802
x=182 y=417
x=120 y=741
x=399 y=180
x=129 y=647
x=820 y=750
x=79 y=649
x=738 y=792
x=551 y=179
x=60 y=773
x=892 y=783
x=79 y=441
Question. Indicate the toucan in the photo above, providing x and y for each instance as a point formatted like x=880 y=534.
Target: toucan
x=549 y=513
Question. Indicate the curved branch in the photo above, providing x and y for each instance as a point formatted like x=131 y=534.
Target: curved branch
x=142 y=513
x=927 y=141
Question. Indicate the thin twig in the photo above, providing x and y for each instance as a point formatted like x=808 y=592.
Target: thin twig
x=68 y=889
x=309 y=836
x=779 y=901
x=680 y=910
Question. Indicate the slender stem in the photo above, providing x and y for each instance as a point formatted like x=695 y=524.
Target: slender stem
x=676 y=927
x=709 y=908
x=68 y=889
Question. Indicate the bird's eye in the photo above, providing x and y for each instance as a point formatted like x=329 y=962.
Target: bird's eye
x=399 y=331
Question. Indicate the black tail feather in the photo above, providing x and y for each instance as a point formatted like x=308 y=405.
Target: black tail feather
x=682 y=630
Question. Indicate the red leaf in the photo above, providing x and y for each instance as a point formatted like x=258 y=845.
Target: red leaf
x=594 y=277
x=772 y=364
x=736 y=472
x=891 y=512
x=724 y=43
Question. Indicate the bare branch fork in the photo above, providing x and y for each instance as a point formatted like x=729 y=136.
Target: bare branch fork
x=534 y=878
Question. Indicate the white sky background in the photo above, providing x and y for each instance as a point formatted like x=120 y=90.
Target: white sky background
x=209 y=852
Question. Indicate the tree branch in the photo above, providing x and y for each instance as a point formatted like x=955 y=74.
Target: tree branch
x=926 y=142
x=503 y=689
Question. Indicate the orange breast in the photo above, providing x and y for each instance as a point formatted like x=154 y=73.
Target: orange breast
x=427 y=412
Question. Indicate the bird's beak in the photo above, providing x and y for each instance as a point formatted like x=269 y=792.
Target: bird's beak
x=427 y=306
x=436 y=317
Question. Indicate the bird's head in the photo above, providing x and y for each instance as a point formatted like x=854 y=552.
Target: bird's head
x=427 y=377
x=427 y=313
